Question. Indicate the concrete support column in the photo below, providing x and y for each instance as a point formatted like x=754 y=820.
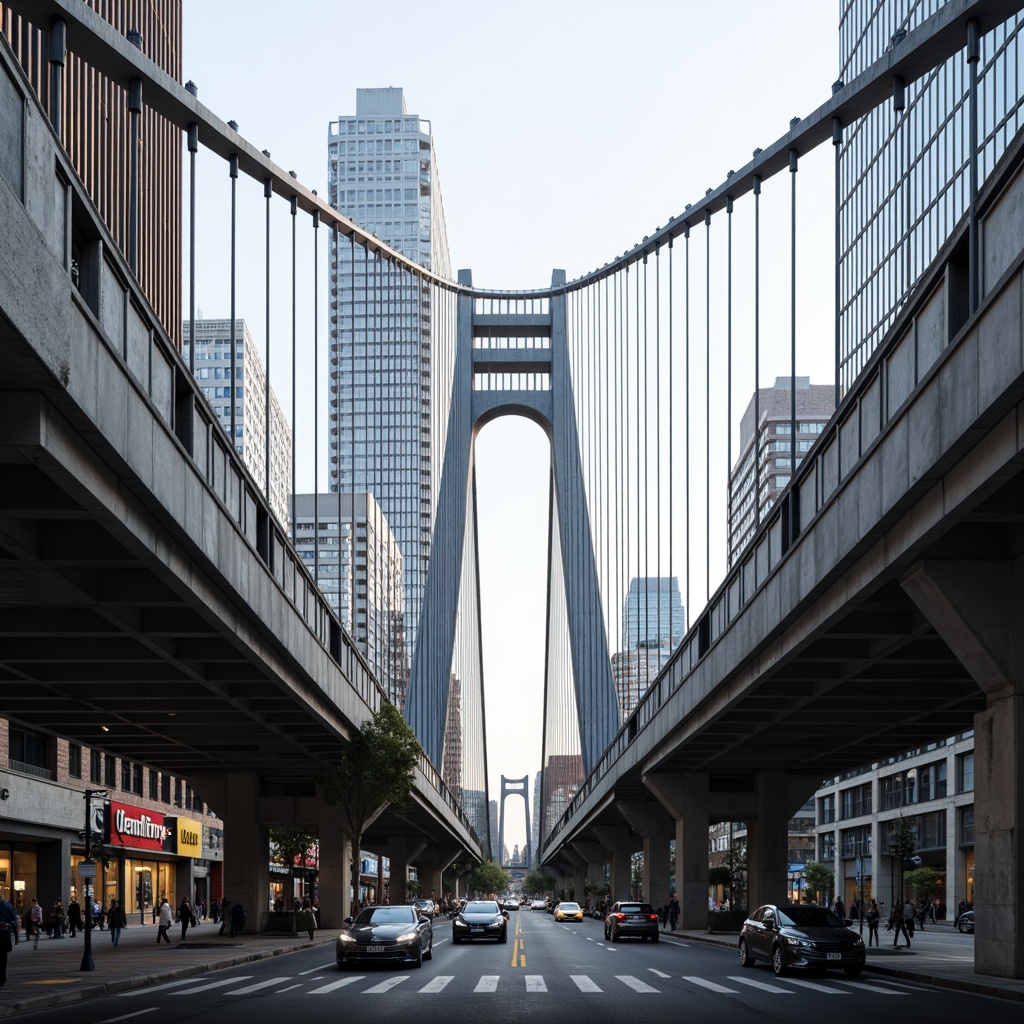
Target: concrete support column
x=246 y=849
x=433 y=859
x=594 y=858
x=657 y=830
x=618 y=841
x=687 y=800
x=402 y=851
x=335 y=883
x=768 y=842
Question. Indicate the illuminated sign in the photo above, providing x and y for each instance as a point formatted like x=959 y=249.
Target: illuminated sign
x=189 y=836
x=136 y=827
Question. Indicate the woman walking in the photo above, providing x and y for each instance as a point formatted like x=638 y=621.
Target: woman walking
x=185 y=916
x=165 y=919
x=116 y=920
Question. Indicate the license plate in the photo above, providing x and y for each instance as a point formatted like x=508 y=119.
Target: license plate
x=376 y=949
x=833 y=956
x=476 y=930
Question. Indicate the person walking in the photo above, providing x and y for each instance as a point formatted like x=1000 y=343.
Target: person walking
x=165 y=920
x=8 y=929
x=225 y=916
x=185 y=916
x=673 y=912
x=74 y=918
x=238 y=917
x=35 y=923
x=872 y=917
x=899 y=924
x=116 y=920
x=57 y=920
x=909 y=916
x=839 y=908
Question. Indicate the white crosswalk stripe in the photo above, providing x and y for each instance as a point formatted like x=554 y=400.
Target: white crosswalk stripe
x=635 y=983
x=256 y=987
x=386 y=986
x=710 y=985
x=487 y=983
x=815 y=987
x=660 y=974
x=208 y=985
x=335 y=985
x=157 y=988
x=438 y=984
x=535 y=983
x=584 y=984
x=873 y=988
x=763 y=986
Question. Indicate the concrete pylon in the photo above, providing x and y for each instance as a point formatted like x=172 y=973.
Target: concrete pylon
x=402 y=851
x=246 y=848
x=975 y=606
x=621 y=844
x=594 y=858
x=686 y=798
x=657 y=828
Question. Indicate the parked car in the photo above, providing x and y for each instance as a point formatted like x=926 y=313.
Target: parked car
x=510 y=904
x=631 y=918
x=802 y=937
x=386 y=934
x=538 y=905
x=480 y=919
x=427 y=907
x=965 y=922
x=567 y=911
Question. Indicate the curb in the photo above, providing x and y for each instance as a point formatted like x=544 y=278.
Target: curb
x=119 y=985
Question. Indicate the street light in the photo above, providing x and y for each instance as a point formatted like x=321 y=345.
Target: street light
x=87 y=870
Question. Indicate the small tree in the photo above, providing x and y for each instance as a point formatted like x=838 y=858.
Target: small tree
x=292 y=843
x=374 y=771
x=926 y=882
x=819 y=880
x=902 y=844
x=490 y=877
x=538 y=880
x=720 y=876
x=736 y=863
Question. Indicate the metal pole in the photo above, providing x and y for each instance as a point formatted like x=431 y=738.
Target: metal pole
x=58 y=56
x=233 y=170
x=135 y=109
x=87 y=962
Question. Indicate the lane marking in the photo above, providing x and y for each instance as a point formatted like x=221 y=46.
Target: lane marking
x=324 y=989
x=873 y=988
x=535 y=983
x=584 y=984
x=255 y=987
x=487 y=983
x=209 y=985
x=159 y=988
x=710 y=985
x=761 y=985
x=660 y=974
x=438 y=984
x=635 y=983
x=815 y=987
x=288 y=989
x=313 y=970
x=128 y=1016
x=386 y=986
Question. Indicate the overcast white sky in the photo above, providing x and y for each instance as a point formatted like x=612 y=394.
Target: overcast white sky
x=565 y=131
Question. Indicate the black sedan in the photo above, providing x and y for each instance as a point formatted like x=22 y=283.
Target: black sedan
x=802 y=937
x=480 y=919
x=631 y=919
x=965 y=922
x=400 y=935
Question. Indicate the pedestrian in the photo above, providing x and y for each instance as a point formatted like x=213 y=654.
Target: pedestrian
x=899 y=924
x=185 y=916
x=839 y=908
x=8 y=929
x=35 y=923
x=238 y=917
x=663 y=914
x=165 y=920
x=215 y=909
x=74 y=917
x=97 y=915
x=225 y=915
x=909 y=916
x=673 y=911
x=57 y=921
x=116 y=919
x=872 y=917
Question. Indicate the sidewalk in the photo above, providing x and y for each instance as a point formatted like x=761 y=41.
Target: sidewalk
x=51 y=975
x=940 y=969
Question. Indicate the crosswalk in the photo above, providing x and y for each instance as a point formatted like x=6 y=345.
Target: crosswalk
x=656 y=982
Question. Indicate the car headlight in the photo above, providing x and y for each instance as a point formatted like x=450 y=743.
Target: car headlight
x=410 y=936
x=345 y=938
x=459 y=923
x=858 y=942
x=799 y=943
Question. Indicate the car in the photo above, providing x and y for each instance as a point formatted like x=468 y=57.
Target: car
x=965 y=922
x=538 y=905
x=567 y=911
x=400 y=935
x=427 y=907
x=480 y=919
x=802 y=937
x=510 y=904
x=629 y=917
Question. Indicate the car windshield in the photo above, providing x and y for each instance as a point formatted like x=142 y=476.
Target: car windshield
x=386 y=915
x=480 y=907
x=809 y=917
x=636 y=908
x=568 y=906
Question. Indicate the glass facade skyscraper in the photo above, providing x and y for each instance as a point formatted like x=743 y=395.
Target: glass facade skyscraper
x=390 y=381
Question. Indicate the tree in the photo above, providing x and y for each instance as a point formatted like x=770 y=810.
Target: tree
x=375 y=770
x=926 y=882
x=490 y=877
x=819 y=881
x=538 y=880
x=292 y=843
x=902 y=844
x=736 y=862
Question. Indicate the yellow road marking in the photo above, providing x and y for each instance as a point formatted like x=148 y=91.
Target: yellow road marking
x=522 y=960
x=53 y=981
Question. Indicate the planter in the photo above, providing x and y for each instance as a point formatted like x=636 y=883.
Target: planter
x=726 y=920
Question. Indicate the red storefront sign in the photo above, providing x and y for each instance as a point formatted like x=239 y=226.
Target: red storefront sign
x=137 y=828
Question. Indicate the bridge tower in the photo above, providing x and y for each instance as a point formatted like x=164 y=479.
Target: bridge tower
x=484 y=359
x=514 y=787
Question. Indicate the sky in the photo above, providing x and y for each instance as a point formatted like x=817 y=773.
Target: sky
x=565 y=131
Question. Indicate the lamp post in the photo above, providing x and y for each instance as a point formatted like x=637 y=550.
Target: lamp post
x=87 y=870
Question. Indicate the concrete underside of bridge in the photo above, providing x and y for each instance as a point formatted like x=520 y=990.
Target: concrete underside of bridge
x=892 y=622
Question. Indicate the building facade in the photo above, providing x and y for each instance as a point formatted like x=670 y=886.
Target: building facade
x=390 y=385
x=249 y=394
x=361 y=575
x=771 y=449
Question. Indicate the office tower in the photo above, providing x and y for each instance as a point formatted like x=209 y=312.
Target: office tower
x=94 y=132
x=752 y=494
x=370 y=605
x=213 y=371
x=451 y=764
x=390 y=384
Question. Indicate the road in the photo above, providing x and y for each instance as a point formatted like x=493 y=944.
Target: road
x=546 y=971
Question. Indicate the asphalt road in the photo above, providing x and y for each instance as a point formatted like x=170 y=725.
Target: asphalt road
x=545 y=972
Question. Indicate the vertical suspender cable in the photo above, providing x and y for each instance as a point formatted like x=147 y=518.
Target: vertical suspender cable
x=728 y=382
x=837 y=145
x=294 y=211
x=657 y=436
x=707 y=406
x=757 y=355
x=792 y=350
x=671 y=437
x=646 y=487
x=316 y=398
x=973 y=58
x=686 y=235
x=233 y=171
x=268 y=192
x=193 y=146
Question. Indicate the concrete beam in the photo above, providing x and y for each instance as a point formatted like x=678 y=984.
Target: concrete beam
x=657 y=828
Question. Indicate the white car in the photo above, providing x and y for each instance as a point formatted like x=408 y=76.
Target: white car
x=538 y=905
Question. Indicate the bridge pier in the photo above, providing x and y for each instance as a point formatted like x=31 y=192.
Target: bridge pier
x=657 y=830
x=593 y=859
x=975 y=608
x=619 y=842
x=768 y=841
x=246 y=848
x=402 y=851
x=436 y=857
x=335 y=876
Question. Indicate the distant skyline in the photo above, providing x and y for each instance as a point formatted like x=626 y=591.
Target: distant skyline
x=565 y=132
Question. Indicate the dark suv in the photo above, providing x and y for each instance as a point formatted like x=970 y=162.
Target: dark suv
x=631 y=918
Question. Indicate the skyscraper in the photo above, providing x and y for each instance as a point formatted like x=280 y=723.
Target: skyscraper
x=390 y=385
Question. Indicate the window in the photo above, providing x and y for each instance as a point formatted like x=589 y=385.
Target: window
x=28 y=748
x=95 y=767
x=137 y=779
x=967 y=826
x=109 y=771
x=827 y=846
x=965 y=773
x=126 y=776
x=827 y=809
x=856 y=842
x=855 y=801
x=74 y=760
x=154 y=785
x=165 y=788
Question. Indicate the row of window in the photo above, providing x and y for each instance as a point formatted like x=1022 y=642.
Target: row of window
x=928 y=831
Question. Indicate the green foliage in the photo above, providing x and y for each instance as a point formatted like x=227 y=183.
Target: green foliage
x=538 y=880
x=490 y=877
x=719 y=876
x=818 y=882
x=736 y=864
x=904 y=841
x=926 y=882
